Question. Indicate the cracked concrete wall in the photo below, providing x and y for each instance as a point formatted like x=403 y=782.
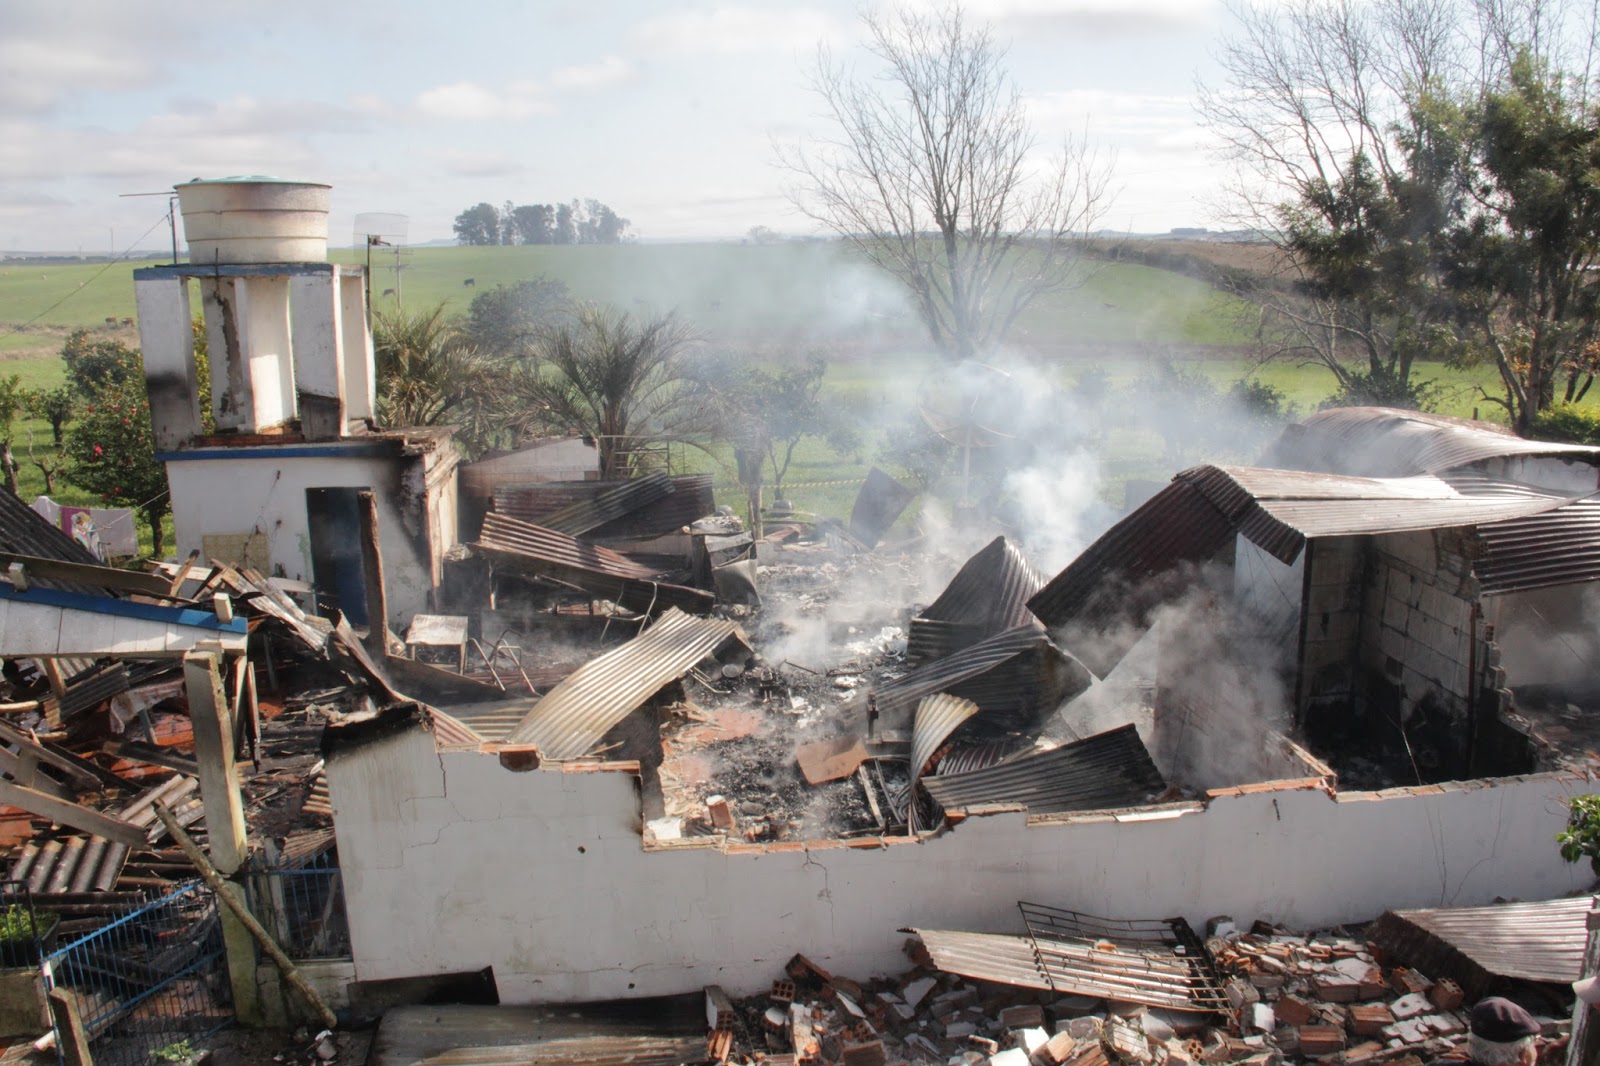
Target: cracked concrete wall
x=452 y=862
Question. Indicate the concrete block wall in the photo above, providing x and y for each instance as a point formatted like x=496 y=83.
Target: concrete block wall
x=1416 y=626
x=453 y=862
x=1331 y=640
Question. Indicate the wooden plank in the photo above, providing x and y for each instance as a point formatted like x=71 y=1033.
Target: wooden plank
x=88 y=574
x=12 y=735
x=66 y=813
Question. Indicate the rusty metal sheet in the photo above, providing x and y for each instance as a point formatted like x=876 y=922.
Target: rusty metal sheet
x=988 y=595
x=877 y=505
x=1017 y=678
x=615 y=499
x=691 y=499
x=599 y=571
x=655 y=1032
x=572 y=717
x=937 y=718
x=1109 y=770
x=1481 y=947
x=1559 y=547
x=830 y=760
x=1114 y=588
x=1387 y=442
x=1157 y=963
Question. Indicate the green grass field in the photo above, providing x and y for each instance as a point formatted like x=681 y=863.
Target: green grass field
x=769 y=300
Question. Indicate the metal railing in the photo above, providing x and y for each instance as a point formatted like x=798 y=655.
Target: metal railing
x=302 y=906
x=149 y=979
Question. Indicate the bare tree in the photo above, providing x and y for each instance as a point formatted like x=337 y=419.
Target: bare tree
x=931 y=176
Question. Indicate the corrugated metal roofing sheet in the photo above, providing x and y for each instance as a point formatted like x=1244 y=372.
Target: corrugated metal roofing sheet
x=1111 y=591
x=1160 y=964
x=472 y=724
x=937 y=717
x=578 y=712
x=1478 y=947
x=615 y=499
x=546 y=553
x=1110 y=769
x=1016 y=678
x=1386 y=442
x=1559 y=547
x=988 y=594
x=692 y=498
x=877 y=505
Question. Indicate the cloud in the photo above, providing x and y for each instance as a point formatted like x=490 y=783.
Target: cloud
x=480 y=164
x=470 y=101
x=608 y=71
x=732 y=29
x=1091 y=17
x=36 y=73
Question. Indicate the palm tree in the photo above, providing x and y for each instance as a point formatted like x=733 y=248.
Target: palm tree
x=431 y=374
x=610 y=377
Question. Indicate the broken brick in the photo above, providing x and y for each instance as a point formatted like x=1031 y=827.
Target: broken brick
x=801 y=968
x=719 y=1044
x=1055 y=1051
x=783 y=992
x=1369 y=1019
x=1316 y=1040
x=869 y=1053
x=1022 y=1016
x=1446 y=994
x=1405 y=982
x=1292 y=1010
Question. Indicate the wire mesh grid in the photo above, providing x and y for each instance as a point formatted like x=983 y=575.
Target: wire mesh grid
x=303 y=907
x=149 y=979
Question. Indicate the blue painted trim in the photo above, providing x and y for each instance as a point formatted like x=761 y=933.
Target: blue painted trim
x=149 y=612
x=243 y=270
x=362 y=450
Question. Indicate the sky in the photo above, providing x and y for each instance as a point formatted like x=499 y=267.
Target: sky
x=669 y=112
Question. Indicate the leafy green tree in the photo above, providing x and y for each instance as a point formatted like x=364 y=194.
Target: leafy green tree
x=534 y=223
x=566 y=227
x=764 y=414
x=1526 y=256
x=607 y=376
x=1581 y=838
x=430 y=373
x=112 y=453
x=478 y=225
x=505 y=321
x=94 y=364
x=55 y=406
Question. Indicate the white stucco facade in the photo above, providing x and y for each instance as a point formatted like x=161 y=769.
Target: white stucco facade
x=452 y=862
x=261 y=493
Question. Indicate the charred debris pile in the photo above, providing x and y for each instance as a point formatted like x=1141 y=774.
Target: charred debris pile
x=804 y=685
x=1082 y=991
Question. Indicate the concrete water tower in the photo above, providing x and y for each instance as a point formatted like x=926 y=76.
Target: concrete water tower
x=275 y=483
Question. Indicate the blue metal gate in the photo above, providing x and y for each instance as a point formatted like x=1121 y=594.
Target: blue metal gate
x=150 y=979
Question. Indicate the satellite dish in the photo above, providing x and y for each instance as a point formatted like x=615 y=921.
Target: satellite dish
x=971 y=405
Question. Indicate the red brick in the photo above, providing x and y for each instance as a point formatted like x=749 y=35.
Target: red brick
x=1292 y=1010
x=1316 y=1040
x=1022 y=1016
x=1368 y=1019
x=1446 y=995
x=869 y=1053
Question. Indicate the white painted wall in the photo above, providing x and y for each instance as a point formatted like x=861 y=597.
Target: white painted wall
x=267 y=496
x=452 y=863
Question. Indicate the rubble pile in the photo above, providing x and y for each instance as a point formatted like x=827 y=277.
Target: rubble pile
x=1323 y=997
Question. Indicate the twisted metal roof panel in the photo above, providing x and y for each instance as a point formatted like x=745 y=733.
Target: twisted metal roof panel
x=572 y=717
x=1108 y=770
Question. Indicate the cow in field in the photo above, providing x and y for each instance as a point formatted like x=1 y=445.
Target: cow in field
x=470 y=283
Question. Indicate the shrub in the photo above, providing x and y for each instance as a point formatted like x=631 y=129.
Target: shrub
x=1567 y=422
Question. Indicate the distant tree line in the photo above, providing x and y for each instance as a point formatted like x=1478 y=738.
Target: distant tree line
x=575 y=222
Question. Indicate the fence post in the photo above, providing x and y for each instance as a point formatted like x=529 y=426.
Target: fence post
x=225 y=831
x=73 y=1041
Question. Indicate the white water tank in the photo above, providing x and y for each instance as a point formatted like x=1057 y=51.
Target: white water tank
x=254 y=219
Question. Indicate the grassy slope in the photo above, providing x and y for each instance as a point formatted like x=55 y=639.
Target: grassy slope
x=765 y=298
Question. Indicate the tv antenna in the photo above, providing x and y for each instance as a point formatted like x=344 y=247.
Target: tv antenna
x=383 y=229
x=967 y=404
x=172 y=215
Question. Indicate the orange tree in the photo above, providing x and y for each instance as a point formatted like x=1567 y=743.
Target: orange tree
x=111 y=447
